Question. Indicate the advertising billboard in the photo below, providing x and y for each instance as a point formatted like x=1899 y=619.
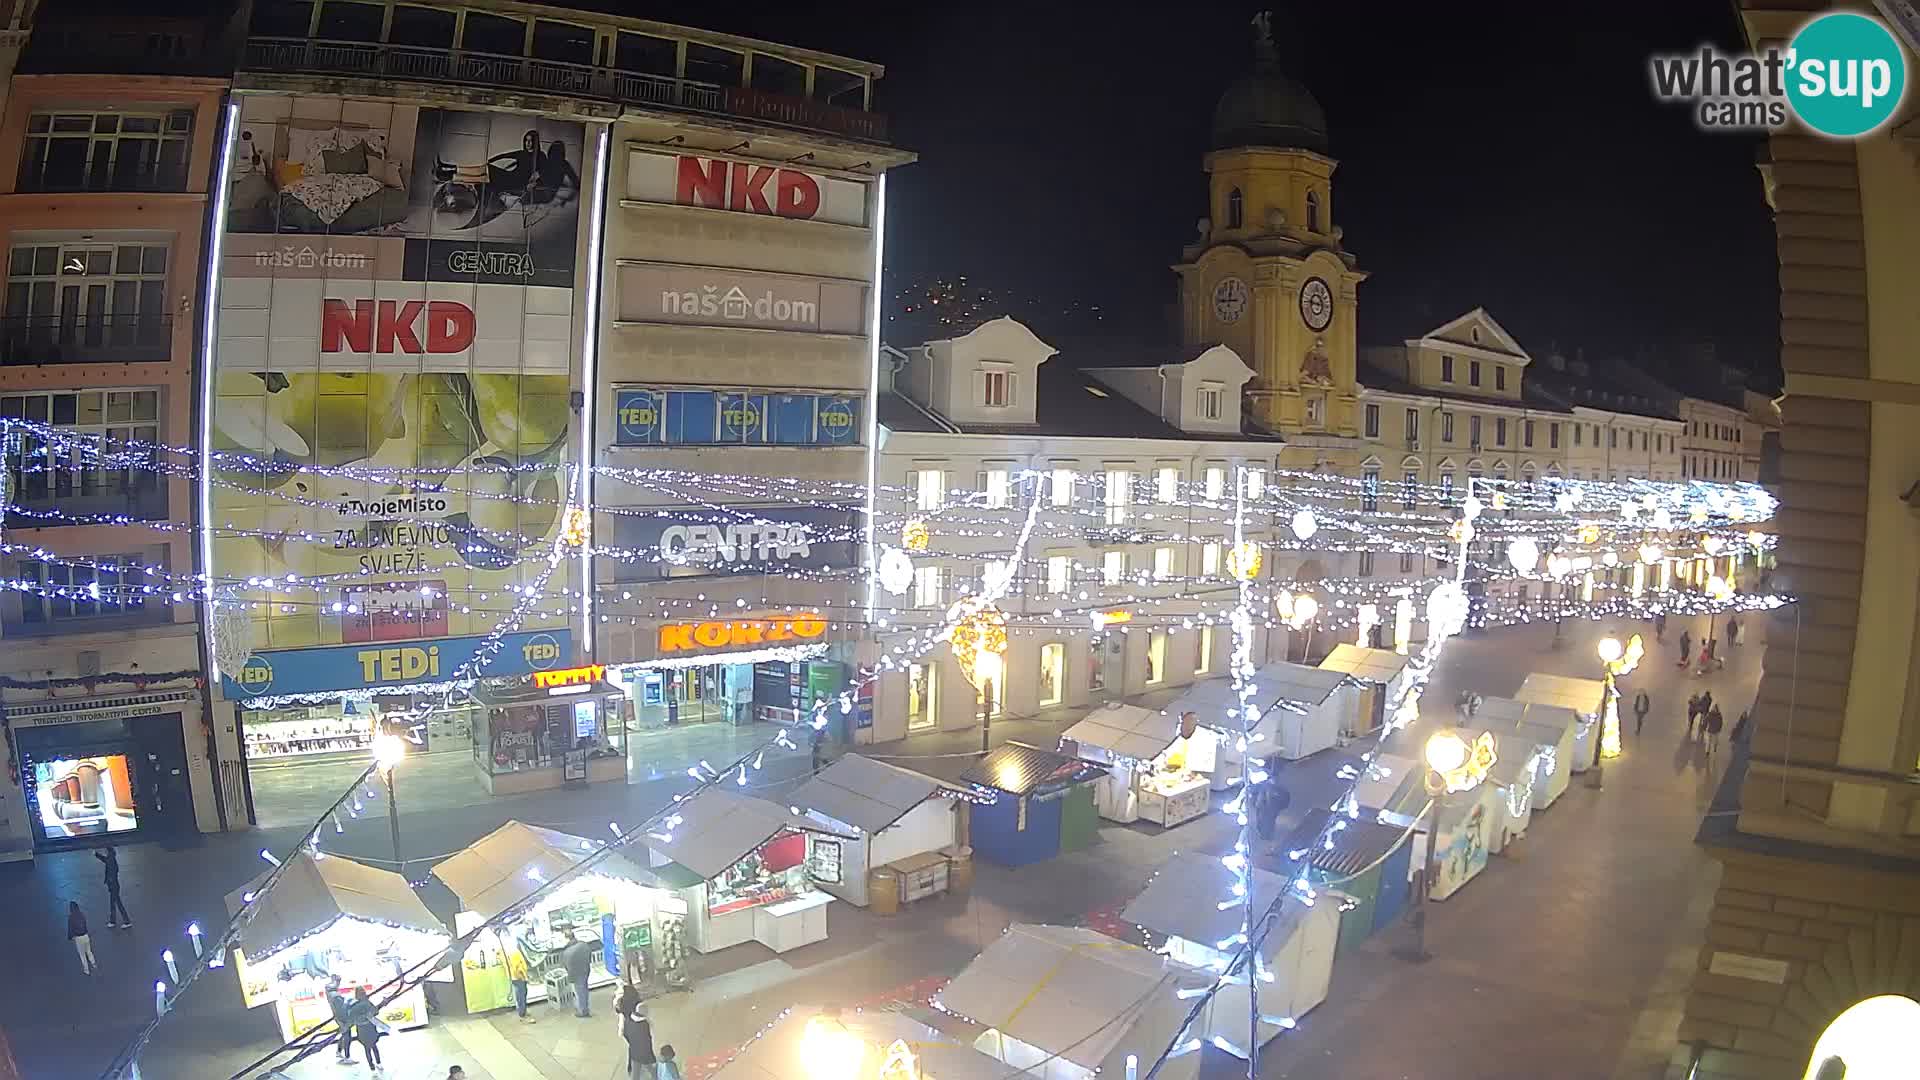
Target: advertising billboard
x=744 y=187
x=646 y=416
x=396 y=340
x=745 y=540
x=708 y=296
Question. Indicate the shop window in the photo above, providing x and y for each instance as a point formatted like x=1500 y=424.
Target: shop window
x=922 y=687
x=1203 y=650
x=70 y=478
x=1053 y=671
x=1156 y=657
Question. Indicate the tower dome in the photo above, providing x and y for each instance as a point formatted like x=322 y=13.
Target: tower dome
x=1263 y=107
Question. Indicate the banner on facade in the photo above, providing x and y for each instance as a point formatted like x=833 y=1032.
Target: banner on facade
x=744 y=187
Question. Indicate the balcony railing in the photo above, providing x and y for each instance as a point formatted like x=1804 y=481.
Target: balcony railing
x=37 y=504
x=169 y=177
x=465 y=67
x=92 y=339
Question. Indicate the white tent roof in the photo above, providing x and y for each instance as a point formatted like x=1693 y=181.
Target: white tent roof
x=312 y=893
x=719 y=828
x=1065 y=990
x=503 y=867
x=1184 y=897
x=776 y=1055
x=1127 y=730
x=1583 y=696
x=867 y=794
x=1380 y=792
x=1544 y=724
x=1369 y=665
x=1296 y=684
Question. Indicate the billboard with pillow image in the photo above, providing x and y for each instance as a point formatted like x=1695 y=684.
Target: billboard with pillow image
x=396 y=349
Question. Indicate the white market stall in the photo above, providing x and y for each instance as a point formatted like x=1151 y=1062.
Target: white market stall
x=1394 y=790
x=1067 y=1003
x=1300 y=712
x=1183 y=902
x=898 y=816
x=808 y=1041
x=1586 y=697
x=750 y=871
x=1382 y=675
x=1391 y=789
x=330 y=916
x=634 y=921
x=1551 y=728
x=1161 y=764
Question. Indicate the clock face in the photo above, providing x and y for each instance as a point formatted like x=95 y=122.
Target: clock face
x=1230 y=300
x=1316 y=304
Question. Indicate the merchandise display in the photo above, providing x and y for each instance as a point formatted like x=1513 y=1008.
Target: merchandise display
x=83 y=796
x=1161 y=762
x=532 y=736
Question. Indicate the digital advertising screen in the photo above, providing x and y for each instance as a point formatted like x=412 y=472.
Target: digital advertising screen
x=85 y=796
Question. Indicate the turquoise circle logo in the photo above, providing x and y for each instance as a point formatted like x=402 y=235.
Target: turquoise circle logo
x=1846 y=74
x=256 y=675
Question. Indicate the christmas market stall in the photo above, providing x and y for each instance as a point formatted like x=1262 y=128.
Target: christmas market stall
x=1390 y=789
x=1313 y=706
x=1042 y=805
x=1382 y=675
x=1551 y=728
x=907 y=826
x=748 y=870
x=1365 y=861
x=1393 y=790
x=1068 y=1003
x=550 y=728
x=634 y=925
x=807 y=1042
x=1161 y=762
x=1184 y=902
x=1586 y=697
x=329 y=916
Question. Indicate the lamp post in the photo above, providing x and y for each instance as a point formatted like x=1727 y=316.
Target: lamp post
x=388 y=751
x=1447 y=756
x=1616 y=659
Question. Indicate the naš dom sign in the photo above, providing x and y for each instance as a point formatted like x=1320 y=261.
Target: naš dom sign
x=735 y=633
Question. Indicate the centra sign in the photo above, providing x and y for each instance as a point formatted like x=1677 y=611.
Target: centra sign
x=691 y=636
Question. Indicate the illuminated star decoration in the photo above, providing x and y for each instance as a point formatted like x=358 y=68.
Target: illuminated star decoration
x=914 y=535
x=979 y=640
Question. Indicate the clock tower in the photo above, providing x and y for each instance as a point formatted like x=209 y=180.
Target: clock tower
x=1267 y=275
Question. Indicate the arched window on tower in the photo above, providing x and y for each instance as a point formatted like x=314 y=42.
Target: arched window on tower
x=1236 y=209
x=1313 y=211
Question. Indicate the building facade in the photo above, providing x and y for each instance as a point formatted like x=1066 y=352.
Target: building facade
x=108 y=150
x=1714 y=445
x=1818 y=906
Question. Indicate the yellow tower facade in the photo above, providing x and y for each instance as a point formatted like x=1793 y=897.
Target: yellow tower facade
x=1267 y=275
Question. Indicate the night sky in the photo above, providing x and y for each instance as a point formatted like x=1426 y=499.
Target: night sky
x=1505 y=155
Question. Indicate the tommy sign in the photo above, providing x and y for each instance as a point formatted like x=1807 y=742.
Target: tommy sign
x=703 y=296
x=744 y=187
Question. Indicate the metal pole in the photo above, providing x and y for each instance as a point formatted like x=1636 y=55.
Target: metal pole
x=393 y=824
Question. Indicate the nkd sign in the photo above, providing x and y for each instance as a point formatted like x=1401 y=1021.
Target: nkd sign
x=706 y=296
x=390 y=326
x=744 y=187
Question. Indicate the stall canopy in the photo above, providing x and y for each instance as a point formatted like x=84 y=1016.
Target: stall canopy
x=719 y=828
x=1583 y=696
x=1067 y=991
x=1019 y=769
x=782 y=1052
x=1393 y=785
x=1368 y=665
x=1184 y=897
x=1299 y=685
x=1127 y=731
x=501 y=868
x=866 y=794
x=312 y=894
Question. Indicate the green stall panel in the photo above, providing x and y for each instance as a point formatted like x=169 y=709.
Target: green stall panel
x=1079 y=821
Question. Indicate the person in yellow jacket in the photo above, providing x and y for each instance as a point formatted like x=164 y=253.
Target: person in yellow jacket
x=517 y=977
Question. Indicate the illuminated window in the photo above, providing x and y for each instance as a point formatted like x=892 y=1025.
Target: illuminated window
x=1210 y=559
x=1053 y=672
x=1059 y=573
x=1156 y=656
x=1370 y=490
x=1162 y=563
x=922 y=680
x=1061 y=489
x=928 y=582
x=1409 y=492
x=1113 y=567
x=1118 y=495
x=1216 y=481
x=1256 y=483
x=994 y=482
x=1166 y=484
x=930 y=486
x=1203 y=650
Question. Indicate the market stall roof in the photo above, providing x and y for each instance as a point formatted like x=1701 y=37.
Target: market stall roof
x=1069 y=991
x=1127 y=730
x=1397 y=778
x=1183 y=899
x=1019 y=769
x=501 y=868
x=1583 y=696
x=778 y=1054
x=1370 y=665
x=1506 y=714
x=1277 y=682
x=867 y=794
x=313 y=893
x=1299 y=684
x=719 y=828
x=1356 y=846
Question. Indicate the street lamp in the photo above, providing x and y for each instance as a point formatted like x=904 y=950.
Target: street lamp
x=1453 y=765
x=1616 y=659
x=390 y=750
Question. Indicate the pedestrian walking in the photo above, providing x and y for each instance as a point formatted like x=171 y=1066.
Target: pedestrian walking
x=639 y=1035
x=668 y=1068
x=77 y=933
x=367 y=1027
x=577 y=958
x=1693 y=713
x=1660 y=627
x=1707 y=662
x=818 y=742
x=116 y=908
x=1641 y=705
x=1713 y=724
x=1686 y=648
x=624 y=1002
x=1733 y=629
x=341 y=1007
x=517 y=980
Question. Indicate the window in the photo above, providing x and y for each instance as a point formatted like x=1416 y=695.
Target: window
x=1499 y=470
x=1236 y=209
x=930 y=489
x=1410 y=490
x=928 y=586
x=1207 y=402
x=494 y=34
x=1373 y=421
x=1061 y=488
x=1366 y=564
x=1256 y=483
x=1162 y=563
x=1473 y=431
x=566 y=43
x=79 y=298
x=1446 y=369
x=1316 y=410
x=1156 y=656
x=1500 y=431
x=1499 y=376
x=106 y=588
x=1313 y=211
x=1473 y=373
x=1413 y=427
x=1216 y=481
x=1166 y=484
x=1526 y=432
x=1613 y=438
x=1119 y=494
x=1406 y=562
x=921 y=711
x=1553 y=437
x=141 y=150
x=1113 y=567
x=1526 y=475
x=996 y=389
x=1210 y=559
x=1577 y=429
x=71 y=475
x=1059 y=573
x=1596 y=435
x=1370 y=490
x=994 y=482
x=1053 y=672
x=1203 y=650
x=1446 y=427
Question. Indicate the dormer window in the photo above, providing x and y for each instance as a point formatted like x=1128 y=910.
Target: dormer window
x=1208 y=401
x=1313 y=211
x=996 y=388
x=1236 y=209
x=1474 y=335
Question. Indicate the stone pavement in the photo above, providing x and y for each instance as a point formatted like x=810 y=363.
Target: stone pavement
x=1562 y=959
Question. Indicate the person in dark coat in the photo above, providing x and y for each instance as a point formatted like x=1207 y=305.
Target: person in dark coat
x=77 y=933
x=1714 y=723
x=116 y=908
x=1660 y=627
x=1686 y=648
x=1641 y=705
x=638 y=1031
x=367 y=1027
x=577 y=958
x=1693 y=713
x=1733 y=629
x=341 y=1007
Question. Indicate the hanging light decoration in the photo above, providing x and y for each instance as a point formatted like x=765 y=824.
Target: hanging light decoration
x=1523 y=554
x=1650 y=553
x=1243 y=560
x=1446 y=609
x=1589 y=534
x=576 y=529
x=914 y=535
x=1711 y=544
x=1461 y=531
x=1304 y=525
x=896 y=571
x=979 y=641
x=1662 y=518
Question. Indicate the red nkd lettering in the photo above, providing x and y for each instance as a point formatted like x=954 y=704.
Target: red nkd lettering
x=701 y=183
x=388 y=326
x=742 y=187
x=796 y=195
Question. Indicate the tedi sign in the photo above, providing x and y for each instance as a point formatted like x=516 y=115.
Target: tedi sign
x=389 y=326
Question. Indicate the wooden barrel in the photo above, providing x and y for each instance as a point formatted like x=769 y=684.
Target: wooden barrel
x=883 y=891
